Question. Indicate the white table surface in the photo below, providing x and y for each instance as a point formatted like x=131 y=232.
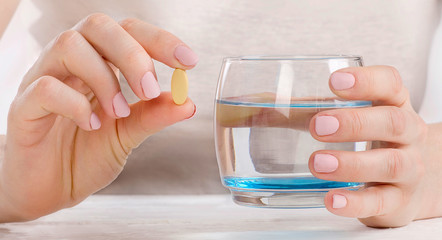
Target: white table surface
x=201 y=217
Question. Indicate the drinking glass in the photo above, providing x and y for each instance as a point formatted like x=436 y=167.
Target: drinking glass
x=263 y=108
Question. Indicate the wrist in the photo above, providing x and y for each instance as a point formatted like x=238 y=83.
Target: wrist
x=433 y=186
x=7 y=210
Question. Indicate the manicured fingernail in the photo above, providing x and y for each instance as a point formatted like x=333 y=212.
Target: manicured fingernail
x=95 y=121
x=339 y=201
x=342 y=81
x=194 y=112
x=121 y=108
x=150 y=86
x=325 y=163
x=326 y=125
x=186 y=56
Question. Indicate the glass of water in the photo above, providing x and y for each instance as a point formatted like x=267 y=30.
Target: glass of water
x=263 y=109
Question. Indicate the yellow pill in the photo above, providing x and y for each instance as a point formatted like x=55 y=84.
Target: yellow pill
x=180 y=86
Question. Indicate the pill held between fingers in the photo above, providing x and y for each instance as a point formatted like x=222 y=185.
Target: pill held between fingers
x=179 y=86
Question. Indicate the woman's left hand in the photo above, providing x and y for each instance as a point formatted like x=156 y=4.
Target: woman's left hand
x=402 y=172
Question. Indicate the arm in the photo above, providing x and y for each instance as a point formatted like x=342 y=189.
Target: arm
x=6 y=12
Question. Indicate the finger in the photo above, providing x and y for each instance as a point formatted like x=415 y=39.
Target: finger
x=48 y=95
x=160 y=44
x=114 y=69
x=118 y=47
x=372 y=201
x=380 y=84
x=377 y=165
x=150 y=117
x=384 y=123
x=71 y=54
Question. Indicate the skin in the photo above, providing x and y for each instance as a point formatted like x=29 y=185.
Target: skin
x=53 y=156
x=6 y=12
x=404 y=171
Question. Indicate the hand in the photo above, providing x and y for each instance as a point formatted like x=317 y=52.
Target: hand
x=70 y=129
x=402 y=172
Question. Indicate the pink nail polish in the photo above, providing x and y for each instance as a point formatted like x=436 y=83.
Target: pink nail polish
x=95 y=121
x=339 y=201
x=150 y=86
x=325 y=163
x=326 y=125
x=186 y=56
x=342 y=81
x=121 y=108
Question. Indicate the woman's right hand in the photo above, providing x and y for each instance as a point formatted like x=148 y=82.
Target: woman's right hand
x=70 y=129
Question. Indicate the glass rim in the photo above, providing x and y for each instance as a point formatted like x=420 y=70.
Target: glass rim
x=322 y=57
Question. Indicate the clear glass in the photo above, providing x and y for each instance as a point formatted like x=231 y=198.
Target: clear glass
x=263 y=108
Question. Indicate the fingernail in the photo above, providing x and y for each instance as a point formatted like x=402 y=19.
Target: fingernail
x=95 y=121
x=186 y=56
x=194 y=112
x=326 y=125
x=342 y=81
x=339 y=201
x=325 y=163
x=121 y=108
x=150 y=86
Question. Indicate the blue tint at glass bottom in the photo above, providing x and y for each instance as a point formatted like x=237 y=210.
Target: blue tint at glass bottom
x=262 y=183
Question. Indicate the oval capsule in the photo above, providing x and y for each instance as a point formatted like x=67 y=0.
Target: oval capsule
x=179 y=86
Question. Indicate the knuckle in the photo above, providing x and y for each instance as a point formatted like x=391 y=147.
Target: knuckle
x=397 y=86
x=128 y=23
x=44 y=87
x=160 y=35
x=372 y=203
x=81 y=108
x=396 y=78
x=380 y=202
x=404 y=96
x=394 y=164
x=67 y=40
x=96 y=20
x=77 y=112
x=13 y=110
x=360 y=208
x=134 y=55
x=397 y=123
x=358 y=120
x=356 y=166
x=365 y=79
x=422 y=129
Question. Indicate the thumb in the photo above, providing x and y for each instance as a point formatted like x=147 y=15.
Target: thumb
x=149 y=117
